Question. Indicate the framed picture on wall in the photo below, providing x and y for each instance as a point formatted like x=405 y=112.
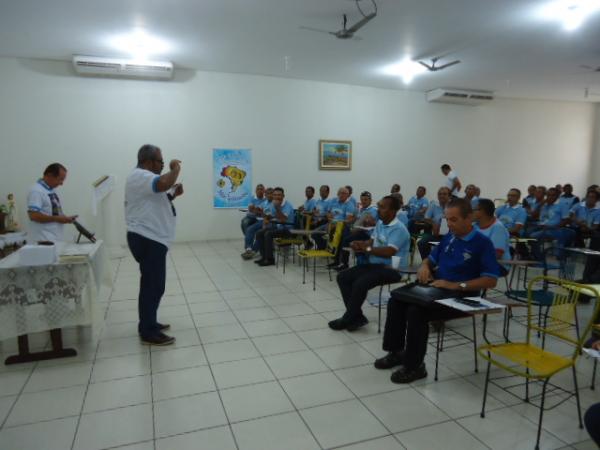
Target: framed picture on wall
x=335 y=155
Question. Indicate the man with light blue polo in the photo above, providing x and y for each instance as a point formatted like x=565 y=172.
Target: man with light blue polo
x=488 y=225
x=256 y=204
x=367 y=217
x=549 y=225
x=435 y=218
x=512 y=215
x=390 y=238
x=279 y=220
x=341 y=209
x=310 y=202
x=568 y=199
x=321 y=207
x=351 y=198
x=471 y=195
x=585 y=217
x=250 y=244
x=417 y=205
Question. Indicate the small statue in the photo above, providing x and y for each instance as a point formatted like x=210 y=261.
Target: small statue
x=11 y=214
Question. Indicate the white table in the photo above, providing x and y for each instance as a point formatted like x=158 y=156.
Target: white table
x=50 y=297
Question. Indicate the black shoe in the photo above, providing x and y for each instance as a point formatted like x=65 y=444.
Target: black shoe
x=159 y=339
x=392 y=359
x=258 y=261
x=355 y=325
x=340 y=267
x=163 y=326
x=332 y=265
x=404 y=375
x=338 y=324
x=267 y=262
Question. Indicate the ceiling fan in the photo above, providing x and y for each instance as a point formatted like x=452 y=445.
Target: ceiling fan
x=590 y=68
x=345 y=32
x=434 y=68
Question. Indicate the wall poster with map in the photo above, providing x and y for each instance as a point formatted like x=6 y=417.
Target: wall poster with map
x=232 y=178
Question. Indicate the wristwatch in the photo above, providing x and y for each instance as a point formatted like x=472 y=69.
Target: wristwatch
x=463 y=286
x=368 y=249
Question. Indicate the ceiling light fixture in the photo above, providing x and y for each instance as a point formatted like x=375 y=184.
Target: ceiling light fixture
x=139 y=44
x=572 y=13
x=406 y=69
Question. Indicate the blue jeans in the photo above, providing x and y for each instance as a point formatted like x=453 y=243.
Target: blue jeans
x=563 y=237
x=246 y=222
x=152 y=258
x=249 y=241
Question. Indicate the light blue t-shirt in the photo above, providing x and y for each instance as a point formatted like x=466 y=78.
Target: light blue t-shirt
x=309 y=205
x=402 y=216
x=287 y=209
x=415 y=204
x=322 y=206
x=551 y=215
x=568 y=202
x=395 y=235
x=435 y=212
x=581 y=212
x=498 y=234
x=511 y=215
x=341 y=211
x=370 y=210
x=257 y=202
x=353 y=202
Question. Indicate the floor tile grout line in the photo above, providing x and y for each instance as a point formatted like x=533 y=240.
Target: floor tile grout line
x=206 y=357
x=92 y=368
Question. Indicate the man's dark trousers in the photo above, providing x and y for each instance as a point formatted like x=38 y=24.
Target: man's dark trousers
x=356 y=282
x=152 y=258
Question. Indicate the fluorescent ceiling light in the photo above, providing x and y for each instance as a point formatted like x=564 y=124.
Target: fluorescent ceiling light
x=139 y=44
x=572 y=13
x=406 y=69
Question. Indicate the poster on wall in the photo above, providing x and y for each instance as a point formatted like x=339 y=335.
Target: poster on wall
x=232 y=178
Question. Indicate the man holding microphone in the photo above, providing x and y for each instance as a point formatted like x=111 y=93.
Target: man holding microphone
x=150 y=217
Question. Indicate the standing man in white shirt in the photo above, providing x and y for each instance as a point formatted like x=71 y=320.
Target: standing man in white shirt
x=452 y=181
x=150 y=217
x=44 y=209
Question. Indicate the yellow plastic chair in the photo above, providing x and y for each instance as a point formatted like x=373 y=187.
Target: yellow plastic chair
x=535 y=363
x=330 y=252
x=594 y=370
x=283 y=244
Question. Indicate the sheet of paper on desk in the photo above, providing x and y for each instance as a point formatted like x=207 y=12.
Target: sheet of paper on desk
x=591 y=352
x=485 y=304
x=76 y=249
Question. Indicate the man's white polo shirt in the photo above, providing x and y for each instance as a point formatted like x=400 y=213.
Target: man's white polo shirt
x=148 y=212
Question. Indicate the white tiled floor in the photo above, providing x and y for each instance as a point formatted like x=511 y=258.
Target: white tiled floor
x=256 y=367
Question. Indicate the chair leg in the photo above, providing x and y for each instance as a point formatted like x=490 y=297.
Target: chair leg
x=485 y=389
x=438 y=348
x=314 y=274
x=379 y=318
x=304 y=269
x=593 y=385
x=527 y=386
x=284 y=258
x=539 y=431
x=475 y=346
x=577 y=397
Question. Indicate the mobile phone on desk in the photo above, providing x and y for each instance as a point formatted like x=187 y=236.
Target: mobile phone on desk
x=469 y=302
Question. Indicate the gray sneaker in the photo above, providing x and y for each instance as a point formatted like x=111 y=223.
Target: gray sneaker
x=248 y=254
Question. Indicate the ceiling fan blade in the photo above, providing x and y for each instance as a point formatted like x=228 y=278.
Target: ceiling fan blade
x=427 y=66
x=585 y=66
x=318 y=30
x=453 y=63
x=361 y=23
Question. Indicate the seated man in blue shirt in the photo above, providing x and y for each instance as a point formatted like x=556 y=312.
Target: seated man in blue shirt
x=351 y=198
x=530 y=196
x=416 y=209
x=390 y=238
x=401 y=215
x=366 y=218
x=279 y=220
x=567 y=199
x=464 y=262
x=471 y=195
x=341 y=209
x=321 y=207
x=310 y=202
x=255 y=202
x=511 y=214
x=494 y=230
x=258 y=209
x=585 y=217
x=435 y=217
x=551 y=216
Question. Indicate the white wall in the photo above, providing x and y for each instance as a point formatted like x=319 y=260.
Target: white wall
x=95 y=126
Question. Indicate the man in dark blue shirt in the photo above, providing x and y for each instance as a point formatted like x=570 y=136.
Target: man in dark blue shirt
x=463 y=263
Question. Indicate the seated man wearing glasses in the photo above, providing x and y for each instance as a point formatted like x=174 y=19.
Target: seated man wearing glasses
x=463 y=264
x=279 y=220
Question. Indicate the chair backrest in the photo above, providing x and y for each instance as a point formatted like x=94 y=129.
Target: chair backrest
x=336 y=239
x=561 y=320
x=307 y=222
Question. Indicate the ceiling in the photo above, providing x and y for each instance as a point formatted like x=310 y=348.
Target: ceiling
x=504 y=45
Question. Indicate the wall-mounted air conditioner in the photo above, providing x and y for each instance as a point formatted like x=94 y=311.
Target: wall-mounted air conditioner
x=459 y=96
x=114 y=67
